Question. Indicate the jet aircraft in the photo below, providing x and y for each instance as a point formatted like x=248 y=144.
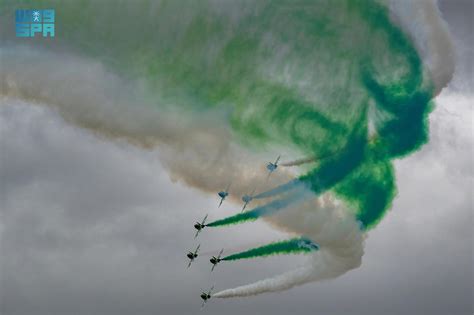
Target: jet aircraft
x=205 y=296
x=215 y=260
x=199 y=226
x=193 y=255
x=246 y=199
x=223 y=194
x=271 y=167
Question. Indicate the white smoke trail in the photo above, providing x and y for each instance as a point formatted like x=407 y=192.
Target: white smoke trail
x=196 y=150
x=302 y=161
x=316 y=269
x=324 y=265
x=336 y=231
x=423 y=22
x=299 y=162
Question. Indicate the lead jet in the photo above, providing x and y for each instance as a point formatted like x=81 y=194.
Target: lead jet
x=199 y=226
x=223 y=194
x=271 y=167
x=205 y=296
x=193 y=255
x=215 y=260
x=246 y=199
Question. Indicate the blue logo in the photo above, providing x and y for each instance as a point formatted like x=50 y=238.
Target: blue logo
x=30 y=23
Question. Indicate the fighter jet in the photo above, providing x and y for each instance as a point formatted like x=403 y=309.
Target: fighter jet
x=223 y=194
x=215 y=260
x=192 y=255
x=271 y=167
x=246 y=199
x=308 y=245
x=205 y=296
x=199 y=226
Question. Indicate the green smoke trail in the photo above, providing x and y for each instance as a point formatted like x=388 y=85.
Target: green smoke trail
x=293 y=246
x=258 y=212
x=307 y=75
x=280 y=189
x=324 y=177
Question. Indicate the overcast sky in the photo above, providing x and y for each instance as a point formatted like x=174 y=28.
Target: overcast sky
x=91 y=226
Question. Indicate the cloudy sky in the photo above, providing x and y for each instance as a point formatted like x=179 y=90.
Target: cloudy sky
x=90 y=226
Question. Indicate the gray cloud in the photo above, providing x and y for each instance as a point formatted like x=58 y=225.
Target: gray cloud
x=97 y=227
x=94 y=227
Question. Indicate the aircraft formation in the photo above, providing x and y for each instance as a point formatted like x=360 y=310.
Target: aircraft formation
x=199 y=226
